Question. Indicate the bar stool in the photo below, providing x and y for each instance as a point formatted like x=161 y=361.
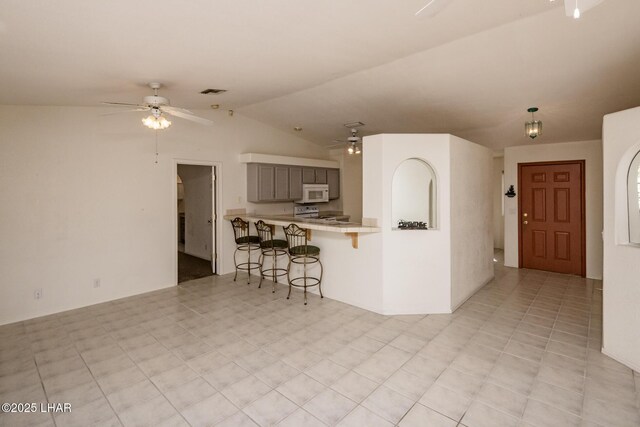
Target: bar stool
x=273 y=248
x=300 y=252
x=244 y=243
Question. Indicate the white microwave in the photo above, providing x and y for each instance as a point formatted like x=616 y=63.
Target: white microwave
x=314 y=193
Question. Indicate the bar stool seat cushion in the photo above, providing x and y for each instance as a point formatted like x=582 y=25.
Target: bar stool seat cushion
x=300 y=250
x=247 y=239
x=275 y=243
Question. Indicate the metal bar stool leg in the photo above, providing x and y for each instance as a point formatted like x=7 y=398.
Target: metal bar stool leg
x=235 y=262
x=305 y=255
x=245 y=242
x=320 y=282
x=260 y=261
x=289 y=279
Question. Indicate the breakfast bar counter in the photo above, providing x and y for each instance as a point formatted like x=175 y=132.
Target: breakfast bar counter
x=351 y=229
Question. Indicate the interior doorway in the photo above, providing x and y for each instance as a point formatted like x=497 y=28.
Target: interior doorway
x=196 y=234
x=551 y=208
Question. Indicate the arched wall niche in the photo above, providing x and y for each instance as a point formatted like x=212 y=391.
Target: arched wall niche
x=414 y=193
x=627 y=198
x=633 y=199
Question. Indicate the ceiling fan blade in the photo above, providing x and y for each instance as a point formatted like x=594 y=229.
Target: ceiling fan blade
x=126 y=111
x=176 y=112
x=169 y=109
x=122 y=104
x=432 y=8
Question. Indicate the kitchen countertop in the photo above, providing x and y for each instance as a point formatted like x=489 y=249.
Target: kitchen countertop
x=308 y=223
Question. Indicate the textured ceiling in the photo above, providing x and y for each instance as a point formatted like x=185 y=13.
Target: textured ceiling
x=471 y=70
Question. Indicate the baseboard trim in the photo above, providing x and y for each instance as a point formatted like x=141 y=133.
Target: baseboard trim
x=620 y=359
x=475 y=291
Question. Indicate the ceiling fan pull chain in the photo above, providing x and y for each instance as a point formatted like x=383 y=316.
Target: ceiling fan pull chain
x=156 y=131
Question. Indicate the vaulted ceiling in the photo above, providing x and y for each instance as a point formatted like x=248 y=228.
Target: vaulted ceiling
x=472 y=70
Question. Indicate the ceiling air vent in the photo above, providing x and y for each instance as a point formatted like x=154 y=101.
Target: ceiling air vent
x=213 y=91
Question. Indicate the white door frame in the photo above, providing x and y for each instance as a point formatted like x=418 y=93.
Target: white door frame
x=217 y=197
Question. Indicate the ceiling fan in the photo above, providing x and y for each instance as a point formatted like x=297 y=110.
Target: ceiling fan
x=353 y=143
x=159 y=107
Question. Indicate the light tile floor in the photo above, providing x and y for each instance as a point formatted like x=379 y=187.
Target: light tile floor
x=523 y=351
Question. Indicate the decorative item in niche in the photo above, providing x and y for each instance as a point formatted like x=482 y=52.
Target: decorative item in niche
x=511 y=192
x=414 y=195
x=412 y=225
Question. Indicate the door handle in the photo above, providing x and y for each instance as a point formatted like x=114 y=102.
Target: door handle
x=525 y=222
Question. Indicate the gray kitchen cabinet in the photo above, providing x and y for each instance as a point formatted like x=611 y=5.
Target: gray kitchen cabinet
x=295 y=183
x=308 y=176
x=282 y=183
x=314 y=176
x=266 y=178
x=321 y=176
x=333 y=179
x=252 y=182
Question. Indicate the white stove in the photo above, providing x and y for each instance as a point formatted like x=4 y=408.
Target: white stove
x=306 y=211
x=312 y=213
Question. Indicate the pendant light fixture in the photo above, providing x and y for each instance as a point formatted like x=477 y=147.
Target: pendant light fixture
x=533 y=128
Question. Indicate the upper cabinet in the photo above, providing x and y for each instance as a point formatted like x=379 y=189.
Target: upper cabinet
x=267 y=183
x=333 y=179
x=266 y=189
x=283 y=183
x=295 y=182
x=321 y=176
x=308 y=176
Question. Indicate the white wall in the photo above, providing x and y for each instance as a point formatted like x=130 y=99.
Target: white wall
x=417 y=265
x=498 y=199
x=350 y=183
x=198 y=209
x=591 y=152
x=621 y=297
x=471 y=219
x=87 y=200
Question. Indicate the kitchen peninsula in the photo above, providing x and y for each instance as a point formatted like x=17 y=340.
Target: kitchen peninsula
x=438 y=180
x=350 y=229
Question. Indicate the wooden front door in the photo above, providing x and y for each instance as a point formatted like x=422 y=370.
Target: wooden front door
x=551 y=215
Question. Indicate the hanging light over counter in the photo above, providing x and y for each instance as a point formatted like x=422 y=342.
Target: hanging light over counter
x=533 y=128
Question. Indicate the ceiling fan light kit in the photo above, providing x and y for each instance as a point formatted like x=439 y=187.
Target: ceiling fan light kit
x=156 y=123
x=533 y=128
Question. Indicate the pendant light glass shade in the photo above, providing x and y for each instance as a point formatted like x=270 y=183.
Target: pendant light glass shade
x=533 y=128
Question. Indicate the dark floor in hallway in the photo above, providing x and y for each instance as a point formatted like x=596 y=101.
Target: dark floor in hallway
x=190 y=267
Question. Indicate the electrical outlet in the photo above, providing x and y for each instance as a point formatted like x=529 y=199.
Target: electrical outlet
x=37 y=294
x=96 y=283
